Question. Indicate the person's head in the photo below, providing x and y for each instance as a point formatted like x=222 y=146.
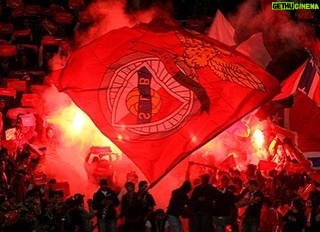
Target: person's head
x=186 y=186
x=51 y=183
x=224 y=181
x=237 y=182
x=30 y=194
x=297 y=204
x=251 y=169
x=49 y=132
x=232 y=188
x=159 y=214
x=205 y=178
x=47 y=56
x=130 y=186
x=23 y=59
x=143 y=185
x=78 y=197
x=252 y=186
x=309 y=204
x=103 y=184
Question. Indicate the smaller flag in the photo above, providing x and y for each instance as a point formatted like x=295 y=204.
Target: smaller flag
x=228 y=163
x=305 y=79
x=254 y=49
x=222 y=30
x=265 y=165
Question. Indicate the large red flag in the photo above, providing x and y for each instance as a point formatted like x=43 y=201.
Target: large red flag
x=160 y=93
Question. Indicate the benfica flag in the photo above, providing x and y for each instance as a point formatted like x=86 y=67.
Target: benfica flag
x=160 y=95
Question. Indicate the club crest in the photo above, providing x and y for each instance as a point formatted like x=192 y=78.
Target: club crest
x=143 y=97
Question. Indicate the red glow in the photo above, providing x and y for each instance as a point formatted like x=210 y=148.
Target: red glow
x=77 y=133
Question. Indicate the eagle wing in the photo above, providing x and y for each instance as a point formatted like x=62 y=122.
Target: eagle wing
x=235 y=73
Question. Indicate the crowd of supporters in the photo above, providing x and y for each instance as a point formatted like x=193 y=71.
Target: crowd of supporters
x=31 y=33
x=252 y=200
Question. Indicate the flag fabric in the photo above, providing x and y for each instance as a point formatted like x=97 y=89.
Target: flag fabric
x=305 y=79
x=298 y=128
x=304 y=118
x=254 y=49
x=222 y=30
x=266 y=165
x=159 y=92
x=228 y=163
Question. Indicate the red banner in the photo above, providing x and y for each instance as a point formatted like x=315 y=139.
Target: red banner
x=265 y=165
x=160 y=93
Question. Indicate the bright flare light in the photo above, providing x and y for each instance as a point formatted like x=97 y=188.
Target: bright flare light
x=78 y=129
x=258 y=138
x=78 y=121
